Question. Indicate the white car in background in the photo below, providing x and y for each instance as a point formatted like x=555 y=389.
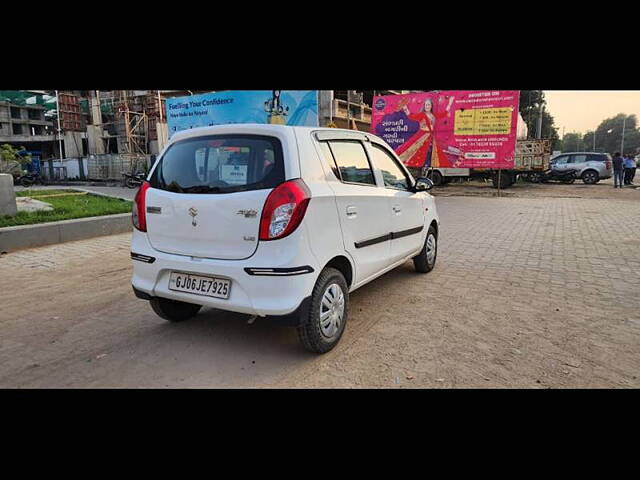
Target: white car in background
x=277 y=221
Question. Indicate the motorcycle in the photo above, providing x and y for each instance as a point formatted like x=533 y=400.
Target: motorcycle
x=133 y=181
x=566 y=177
x=31 y=179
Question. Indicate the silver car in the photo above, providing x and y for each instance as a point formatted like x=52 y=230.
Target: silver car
x=591 y=167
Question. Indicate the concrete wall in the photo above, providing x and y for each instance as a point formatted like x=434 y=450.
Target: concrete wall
x=72 y=165
x=7 y=195
x=29 y=236
x=324 y=106
x=94 y=140
x=73 y=144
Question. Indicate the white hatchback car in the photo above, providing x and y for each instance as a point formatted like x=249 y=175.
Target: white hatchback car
x=277 y=221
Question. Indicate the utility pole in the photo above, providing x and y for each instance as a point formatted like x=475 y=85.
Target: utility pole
x=348 y=109
x=624 y=124
x=539 y=132
x=59 y=136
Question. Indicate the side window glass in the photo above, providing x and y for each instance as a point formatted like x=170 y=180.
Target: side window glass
x=352 y=162
x=578 y=158
x=560 y=160
x=328 y=156
x=392 y=174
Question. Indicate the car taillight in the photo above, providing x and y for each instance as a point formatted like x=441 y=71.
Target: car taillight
x=138 y=213
x=284 y=209
x=608 y=164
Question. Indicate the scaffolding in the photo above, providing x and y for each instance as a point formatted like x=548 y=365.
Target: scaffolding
x=131 y=123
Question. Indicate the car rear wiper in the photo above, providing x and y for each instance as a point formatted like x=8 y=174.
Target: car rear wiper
x=174 y=187
x=201 y=189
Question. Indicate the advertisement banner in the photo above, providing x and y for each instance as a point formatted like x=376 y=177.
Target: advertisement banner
x=450 y=129
x=284 y=107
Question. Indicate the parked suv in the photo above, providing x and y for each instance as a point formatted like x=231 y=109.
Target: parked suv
x=277 y=221
x=589 y=166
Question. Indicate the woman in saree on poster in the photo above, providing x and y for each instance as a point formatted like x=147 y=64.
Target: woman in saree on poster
x=422 y=150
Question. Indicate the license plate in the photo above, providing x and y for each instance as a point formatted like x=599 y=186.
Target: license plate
x=200 y=285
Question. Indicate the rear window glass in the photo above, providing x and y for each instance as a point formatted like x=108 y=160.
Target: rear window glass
x=220 y=164
x=597 y=158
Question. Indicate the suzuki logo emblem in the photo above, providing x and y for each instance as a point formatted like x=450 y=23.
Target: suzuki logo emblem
x=193 y=212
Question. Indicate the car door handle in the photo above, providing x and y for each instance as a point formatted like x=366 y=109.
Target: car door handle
x=352 y=211
x=396 y=209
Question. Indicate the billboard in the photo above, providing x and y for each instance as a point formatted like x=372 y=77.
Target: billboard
x=450 y=129
x=284 y=107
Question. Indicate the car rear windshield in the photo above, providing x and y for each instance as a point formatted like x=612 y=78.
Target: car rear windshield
x=602 y=157
x=220 y=164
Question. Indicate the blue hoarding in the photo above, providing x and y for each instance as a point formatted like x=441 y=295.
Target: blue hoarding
x=284 y=107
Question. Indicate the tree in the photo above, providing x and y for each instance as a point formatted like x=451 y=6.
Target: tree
x=13 y=160
x=530 y=103
x=609 y=134
x=572 y=142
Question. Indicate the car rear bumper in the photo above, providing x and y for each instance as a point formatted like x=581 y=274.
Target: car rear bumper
x=274 y=281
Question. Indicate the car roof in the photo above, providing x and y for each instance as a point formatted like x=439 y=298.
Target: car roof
x=265 y=127
x=582 y=153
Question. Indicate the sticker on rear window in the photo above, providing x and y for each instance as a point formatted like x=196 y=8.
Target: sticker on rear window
x=234 y=174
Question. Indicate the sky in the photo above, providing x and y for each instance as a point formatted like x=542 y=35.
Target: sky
x=583 y=110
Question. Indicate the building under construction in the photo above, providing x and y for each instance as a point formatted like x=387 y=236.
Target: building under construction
x=106 y=133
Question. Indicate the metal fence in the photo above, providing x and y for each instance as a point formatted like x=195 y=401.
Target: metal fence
x=59 y=173
x=111 y=166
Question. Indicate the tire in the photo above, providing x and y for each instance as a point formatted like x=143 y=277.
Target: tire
x=25 y=182
x=321 y=335
x=425 y=261
x=437 y=178
x=173 y=310
x=506 y=179
x=590 y=177
x=130 y=183
x=535 y=177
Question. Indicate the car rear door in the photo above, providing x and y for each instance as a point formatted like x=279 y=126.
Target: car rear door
x=406 y=207
x=362 y=205
x=578 y=162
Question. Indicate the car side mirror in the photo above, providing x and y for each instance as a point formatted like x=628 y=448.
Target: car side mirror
x=423 y=184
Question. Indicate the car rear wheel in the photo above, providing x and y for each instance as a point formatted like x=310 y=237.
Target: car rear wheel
x=426 y=259
x=173 y=310
x=436 y=177
x=324 y=322
x=590 y=177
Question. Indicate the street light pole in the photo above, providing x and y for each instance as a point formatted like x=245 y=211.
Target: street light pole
x=624 y=124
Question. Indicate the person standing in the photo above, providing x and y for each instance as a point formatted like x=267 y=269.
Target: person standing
x=618 y=171
x=628 y=164
x=633 y=165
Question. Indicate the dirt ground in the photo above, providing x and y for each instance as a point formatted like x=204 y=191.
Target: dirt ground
x=530 y=290
x=479 y=188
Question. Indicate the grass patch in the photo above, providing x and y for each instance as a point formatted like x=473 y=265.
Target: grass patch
x=66 y=207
